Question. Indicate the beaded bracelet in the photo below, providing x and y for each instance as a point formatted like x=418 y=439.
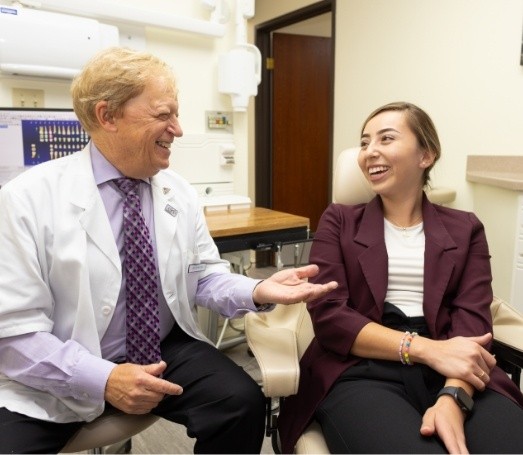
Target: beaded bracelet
x=400 y=350
x=409 y=337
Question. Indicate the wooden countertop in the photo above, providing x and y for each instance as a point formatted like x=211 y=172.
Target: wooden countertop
x=250 y=220
x=500 y=171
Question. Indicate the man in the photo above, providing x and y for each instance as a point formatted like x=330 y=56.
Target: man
x=80 y=316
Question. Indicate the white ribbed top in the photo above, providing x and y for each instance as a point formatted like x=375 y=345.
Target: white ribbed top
x=406 y=251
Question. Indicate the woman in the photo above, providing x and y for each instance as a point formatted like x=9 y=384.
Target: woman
x=400 y=360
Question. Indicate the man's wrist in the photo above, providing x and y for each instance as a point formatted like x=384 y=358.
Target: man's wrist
x=264 y=306
x=261 y=306
x=254 y=291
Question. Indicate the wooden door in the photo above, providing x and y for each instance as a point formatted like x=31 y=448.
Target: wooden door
x=301 y=125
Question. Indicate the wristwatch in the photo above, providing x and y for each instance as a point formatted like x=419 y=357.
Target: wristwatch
x=461 y=397
x=264 y=306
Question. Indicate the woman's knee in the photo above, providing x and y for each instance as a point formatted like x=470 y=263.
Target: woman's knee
x=494 y=425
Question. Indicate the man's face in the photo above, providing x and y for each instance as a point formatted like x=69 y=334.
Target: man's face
x=146 y=130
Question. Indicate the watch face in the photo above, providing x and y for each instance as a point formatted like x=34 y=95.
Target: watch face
x=463 y=399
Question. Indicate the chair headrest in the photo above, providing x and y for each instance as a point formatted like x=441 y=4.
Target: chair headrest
x=349 y=184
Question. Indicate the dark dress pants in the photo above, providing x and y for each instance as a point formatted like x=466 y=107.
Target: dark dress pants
x=377 y=407
x=221 y=406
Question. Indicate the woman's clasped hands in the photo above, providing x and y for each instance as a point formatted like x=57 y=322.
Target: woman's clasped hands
x=466 y=363
x=464 y=358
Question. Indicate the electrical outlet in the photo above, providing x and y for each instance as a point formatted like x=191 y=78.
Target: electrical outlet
x=30 y=98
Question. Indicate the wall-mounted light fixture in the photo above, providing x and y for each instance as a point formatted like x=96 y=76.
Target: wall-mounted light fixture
x=239 y=70
x=62 y=45
x=113 y=11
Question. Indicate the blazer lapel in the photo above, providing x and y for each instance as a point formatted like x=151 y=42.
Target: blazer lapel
x=374 y=259
x=438 y=264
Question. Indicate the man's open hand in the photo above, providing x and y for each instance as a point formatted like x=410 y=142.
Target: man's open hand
x=291 y=286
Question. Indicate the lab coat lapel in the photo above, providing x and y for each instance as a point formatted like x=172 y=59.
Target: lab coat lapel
x=374 y=259
x=84 y=194
x=165 y=219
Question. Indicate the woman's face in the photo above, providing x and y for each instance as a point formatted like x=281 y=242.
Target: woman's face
x=390 y=157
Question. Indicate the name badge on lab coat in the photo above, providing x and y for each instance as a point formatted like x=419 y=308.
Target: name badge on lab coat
x=171 y=210
x=193 y=268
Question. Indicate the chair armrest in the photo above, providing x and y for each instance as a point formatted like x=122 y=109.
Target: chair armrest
x=275 y=349
x=312 y=440
x=507 y=323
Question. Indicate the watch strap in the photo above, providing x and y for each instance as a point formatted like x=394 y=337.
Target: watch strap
x=462 y=399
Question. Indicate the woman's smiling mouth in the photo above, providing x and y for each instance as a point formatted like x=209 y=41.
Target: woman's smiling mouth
x=374 y=170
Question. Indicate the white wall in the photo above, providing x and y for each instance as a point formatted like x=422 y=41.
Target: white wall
x=194 y=60
x=458 y=59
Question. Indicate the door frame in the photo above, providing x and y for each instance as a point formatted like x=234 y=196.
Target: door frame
x=263 y=100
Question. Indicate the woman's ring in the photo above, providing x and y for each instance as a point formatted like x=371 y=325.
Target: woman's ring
x=481 y=375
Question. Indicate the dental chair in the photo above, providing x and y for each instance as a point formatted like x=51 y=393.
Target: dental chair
x=279 y=338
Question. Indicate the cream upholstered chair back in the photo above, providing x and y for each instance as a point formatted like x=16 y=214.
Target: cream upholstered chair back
x=349 y=185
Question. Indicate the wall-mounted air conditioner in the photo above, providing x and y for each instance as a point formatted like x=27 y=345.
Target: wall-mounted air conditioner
x=40 y=43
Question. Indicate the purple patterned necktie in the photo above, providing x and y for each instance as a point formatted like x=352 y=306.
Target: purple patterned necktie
x=143 y=323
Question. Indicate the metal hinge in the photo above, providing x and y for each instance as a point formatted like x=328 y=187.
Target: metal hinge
x=269 y=63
